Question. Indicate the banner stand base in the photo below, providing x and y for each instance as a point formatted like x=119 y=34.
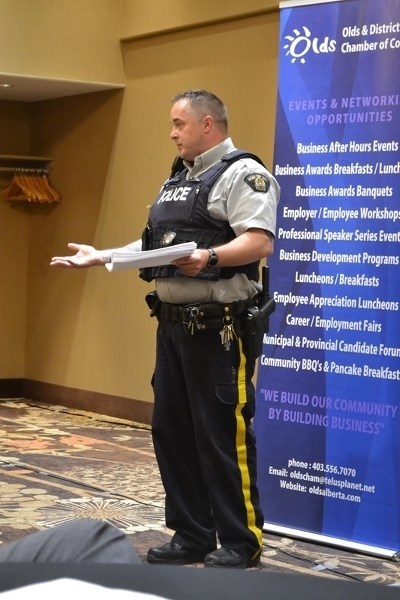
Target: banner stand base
x=332 y=541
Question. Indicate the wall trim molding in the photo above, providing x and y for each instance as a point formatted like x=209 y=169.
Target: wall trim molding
x=105 y=404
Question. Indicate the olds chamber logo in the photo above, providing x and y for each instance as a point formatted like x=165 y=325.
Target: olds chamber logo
x=300 y=44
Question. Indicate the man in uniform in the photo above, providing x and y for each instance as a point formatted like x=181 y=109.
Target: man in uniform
x=225 y=201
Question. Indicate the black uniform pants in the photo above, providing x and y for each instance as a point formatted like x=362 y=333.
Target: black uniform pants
x=204 y=442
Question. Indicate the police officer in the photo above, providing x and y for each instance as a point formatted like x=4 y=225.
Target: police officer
x=224 y=200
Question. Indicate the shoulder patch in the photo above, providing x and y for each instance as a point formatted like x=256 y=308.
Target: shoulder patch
x=258 y=182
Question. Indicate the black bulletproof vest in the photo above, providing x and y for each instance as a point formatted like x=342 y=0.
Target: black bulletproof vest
x=179 y=214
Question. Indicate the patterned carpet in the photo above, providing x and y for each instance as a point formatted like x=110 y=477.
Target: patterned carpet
x=57 y=465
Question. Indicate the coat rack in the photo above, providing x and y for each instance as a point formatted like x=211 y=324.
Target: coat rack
x=30 y=182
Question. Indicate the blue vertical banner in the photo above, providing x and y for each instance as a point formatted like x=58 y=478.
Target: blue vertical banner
x=328 y=384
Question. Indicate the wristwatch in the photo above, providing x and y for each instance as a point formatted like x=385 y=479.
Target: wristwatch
x=213 y=258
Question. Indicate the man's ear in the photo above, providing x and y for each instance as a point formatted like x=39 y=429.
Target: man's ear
x=208 y=122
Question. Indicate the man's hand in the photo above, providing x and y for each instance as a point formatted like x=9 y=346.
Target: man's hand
x=252 y=245
x=193 y=264
x=86 y=256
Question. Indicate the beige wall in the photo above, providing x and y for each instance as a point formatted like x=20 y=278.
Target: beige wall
x=90 y=329
x=140 y=18
x=67 y=39
x=15 y=131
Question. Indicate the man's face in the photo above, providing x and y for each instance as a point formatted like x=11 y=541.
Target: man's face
x=188 y=131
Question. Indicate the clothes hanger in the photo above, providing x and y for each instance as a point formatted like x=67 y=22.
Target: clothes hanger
x=32 y=186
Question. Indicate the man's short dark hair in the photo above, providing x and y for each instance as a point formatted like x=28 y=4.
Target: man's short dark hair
x=205 y=103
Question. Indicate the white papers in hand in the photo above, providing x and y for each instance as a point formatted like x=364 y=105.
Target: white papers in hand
x=149 y=258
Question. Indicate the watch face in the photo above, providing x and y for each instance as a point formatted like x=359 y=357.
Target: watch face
x=213 y=259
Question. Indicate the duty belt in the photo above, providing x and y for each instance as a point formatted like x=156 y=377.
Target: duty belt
x=201 y=316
